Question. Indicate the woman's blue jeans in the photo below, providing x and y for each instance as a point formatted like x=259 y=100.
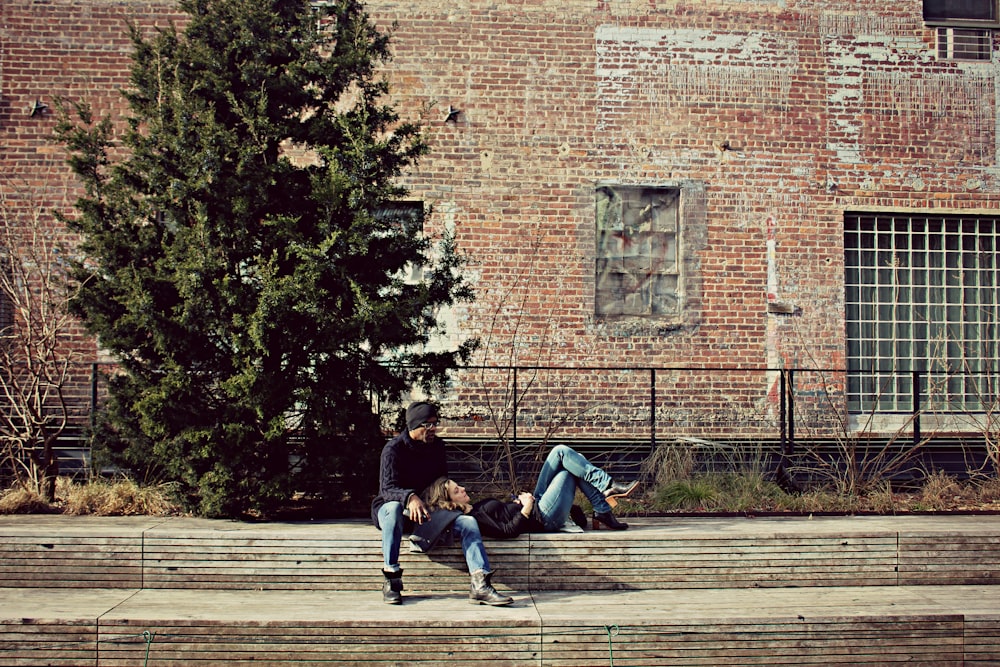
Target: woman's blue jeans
x=563 y=471
x=391 y=519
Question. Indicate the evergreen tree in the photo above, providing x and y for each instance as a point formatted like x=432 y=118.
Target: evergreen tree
x=256 y=303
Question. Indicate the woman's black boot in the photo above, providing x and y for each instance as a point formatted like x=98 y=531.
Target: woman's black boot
x=392 y=586
x=620 y=490
x=481 y=591
x=609 y=520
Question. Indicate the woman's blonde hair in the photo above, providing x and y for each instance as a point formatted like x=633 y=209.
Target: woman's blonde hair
x=438 y=496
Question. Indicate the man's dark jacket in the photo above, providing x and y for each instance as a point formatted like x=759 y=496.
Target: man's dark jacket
x=407 y=466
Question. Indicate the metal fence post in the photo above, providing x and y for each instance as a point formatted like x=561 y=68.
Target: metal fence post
x=791 y=411
x=514 y=407
x=93 y=393
x=782 y=412
x=652 y=409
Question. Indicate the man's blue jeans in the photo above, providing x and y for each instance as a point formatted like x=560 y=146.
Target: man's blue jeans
x=391 y=519
x=563 y=471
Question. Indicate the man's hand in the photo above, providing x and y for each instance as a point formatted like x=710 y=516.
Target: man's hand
x=417 y=509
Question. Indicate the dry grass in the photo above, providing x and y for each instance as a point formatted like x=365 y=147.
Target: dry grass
x=989 y=493
x=703 y=477
x=121 y=497
x=713 y=493
x=22 y=501
x=100 y=497
x=750 y=494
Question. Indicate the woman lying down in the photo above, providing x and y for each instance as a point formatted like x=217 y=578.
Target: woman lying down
x=549 y=508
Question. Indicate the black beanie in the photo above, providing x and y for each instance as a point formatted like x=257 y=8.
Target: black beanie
x=418 y=413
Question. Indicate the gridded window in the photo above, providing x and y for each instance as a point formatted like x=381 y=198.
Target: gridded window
x=921 y=294
x=964 y=44
x=637 y=268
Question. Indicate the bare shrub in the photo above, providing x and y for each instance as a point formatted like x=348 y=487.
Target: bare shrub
x=940 y=491
x=37 y=359
x=988 y=490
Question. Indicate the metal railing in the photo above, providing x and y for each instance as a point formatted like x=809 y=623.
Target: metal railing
x=777 y=403
x=650 y=404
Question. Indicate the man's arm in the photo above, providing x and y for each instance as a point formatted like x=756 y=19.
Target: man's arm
x=388 y=477
x=391 y=489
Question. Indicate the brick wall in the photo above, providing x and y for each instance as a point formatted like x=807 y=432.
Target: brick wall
x=775 y=116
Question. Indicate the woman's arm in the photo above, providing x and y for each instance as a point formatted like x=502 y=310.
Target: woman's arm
x=498 y=519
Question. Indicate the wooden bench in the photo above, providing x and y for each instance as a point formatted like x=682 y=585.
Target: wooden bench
x=337 y=556
x=190 y=592
x=74 y=552
x=950 y=557
x=655 y=554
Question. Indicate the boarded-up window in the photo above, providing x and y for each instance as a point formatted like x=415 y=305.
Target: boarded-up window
x=637 y=261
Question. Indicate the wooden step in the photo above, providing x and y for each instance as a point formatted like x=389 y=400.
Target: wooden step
x=656 y=553
x=111 y=592
x=915 y=625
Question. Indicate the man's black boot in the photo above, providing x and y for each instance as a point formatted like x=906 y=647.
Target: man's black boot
x=481 y=591
x=392 y=586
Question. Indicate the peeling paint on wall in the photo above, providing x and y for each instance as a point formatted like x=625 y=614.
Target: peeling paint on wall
x=938 y=99
x=654 y=69
x=891 y=89
x=751 y=84
x=834 y=24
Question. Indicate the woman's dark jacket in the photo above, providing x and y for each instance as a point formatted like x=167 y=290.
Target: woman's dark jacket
x=501 y=520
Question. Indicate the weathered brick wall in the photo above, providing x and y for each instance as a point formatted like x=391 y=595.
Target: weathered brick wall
x=785 y=114
x=52 y=52
x=775 y=117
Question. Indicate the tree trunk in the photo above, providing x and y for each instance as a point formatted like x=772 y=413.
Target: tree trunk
x=50 y=470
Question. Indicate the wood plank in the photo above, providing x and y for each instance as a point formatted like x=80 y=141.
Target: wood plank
x=949 y=559
x=266 y=628
x=237 y=562
x=283 y=644
x=982 y=642
x=31 y=643
x=183 y=552
x=753 y=627
x=45 y=559
x=851 y=625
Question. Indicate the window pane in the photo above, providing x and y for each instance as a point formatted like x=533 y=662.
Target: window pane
x=968 y=10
